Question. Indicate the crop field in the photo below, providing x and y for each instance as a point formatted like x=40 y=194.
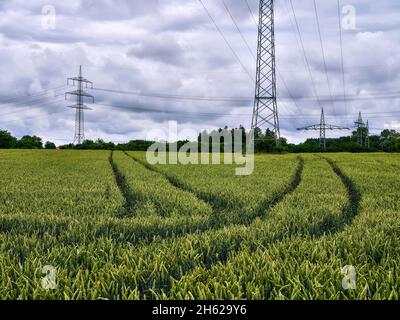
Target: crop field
x=115 y=227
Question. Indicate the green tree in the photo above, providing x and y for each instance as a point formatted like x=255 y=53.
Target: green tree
x=49 y=145
x=388 y=140
x=30 y=142
x=7 y=141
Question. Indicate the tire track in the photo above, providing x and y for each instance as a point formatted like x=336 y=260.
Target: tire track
x=129 y=198
x=218 y=204
x=218 y=254
x=215 y=202
x=351 y=211
x=268 y=204
x=165 y=231
x=348 y=214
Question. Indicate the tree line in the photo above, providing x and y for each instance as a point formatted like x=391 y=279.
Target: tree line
x=387 y=141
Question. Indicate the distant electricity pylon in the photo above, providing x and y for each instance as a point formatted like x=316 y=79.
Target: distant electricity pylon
x=360 y=125
x=265 y=110
x=322 y=127
x=80 y=95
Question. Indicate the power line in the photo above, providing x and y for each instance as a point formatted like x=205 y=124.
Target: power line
x=288 y=91
x=248 y=46
x=26 y=105
x=175 y=97
x=251 y=12
x=342 y=57
x=226 y=40
x=293 y=27
x=323 y=53
x=244 y=100
x=34 y=95
x=194 y=115
x=37 y=116
x=394 y=95
x=322 y=127
x=286 y=8
x=277 y=69
x=144 y=109
x=238 y=29
x=223 y=114
x=304 y=54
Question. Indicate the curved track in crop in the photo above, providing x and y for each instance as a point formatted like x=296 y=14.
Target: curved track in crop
x=123 y=186
x=310 y=224
x=217 y=203
x=352 y=210
x=348 y=213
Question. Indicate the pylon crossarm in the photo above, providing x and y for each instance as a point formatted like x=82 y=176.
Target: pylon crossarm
x=79 y=93
x=332 y=127
x=83 y=107
x=312 y=127
x=79 y=79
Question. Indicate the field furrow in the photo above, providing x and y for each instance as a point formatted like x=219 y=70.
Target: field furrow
x=235 y=199
x=310 y=268
x=117 y=228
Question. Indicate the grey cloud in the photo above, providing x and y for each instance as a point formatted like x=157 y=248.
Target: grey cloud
x=171 y=46
x=160 y=48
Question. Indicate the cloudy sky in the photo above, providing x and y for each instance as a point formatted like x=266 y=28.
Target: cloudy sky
x=156 y=49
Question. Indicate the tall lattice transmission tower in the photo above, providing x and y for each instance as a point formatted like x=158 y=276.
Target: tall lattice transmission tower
x=265 y=110
x=360 y=125
x=322 y=127
x=80 y=94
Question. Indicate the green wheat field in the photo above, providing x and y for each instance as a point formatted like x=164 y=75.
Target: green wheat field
x=115 y=227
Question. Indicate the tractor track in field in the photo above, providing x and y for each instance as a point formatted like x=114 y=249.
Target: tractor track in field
x=262 y=210
x=350 y=212
x=269 y=204
x=129 y=198
x=105 y=229
x=216 y=257
x=215 y=202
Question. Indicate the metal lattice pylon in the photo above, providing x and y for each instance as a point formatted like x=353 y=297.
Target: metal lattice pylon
x=322 y=127
x=265 y=110
x=360 y=125
x=322 y=131
x=80 y=107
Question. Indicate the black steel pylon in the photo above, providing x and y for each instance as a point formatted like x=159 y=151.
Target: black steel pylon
x=360 y=125
x=265 y=110
x=80 y=107
x=322 y=127
x=322 y=132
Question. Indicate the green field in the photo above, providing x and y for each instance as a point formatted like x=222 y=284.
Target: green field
x=116 y=227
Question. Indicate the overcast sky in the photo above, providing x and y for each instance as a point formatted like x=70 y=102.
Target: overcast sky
x=172 y=47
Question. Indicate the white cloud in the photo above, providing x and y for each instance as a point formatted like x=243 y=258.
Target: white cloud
x=171 y=47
